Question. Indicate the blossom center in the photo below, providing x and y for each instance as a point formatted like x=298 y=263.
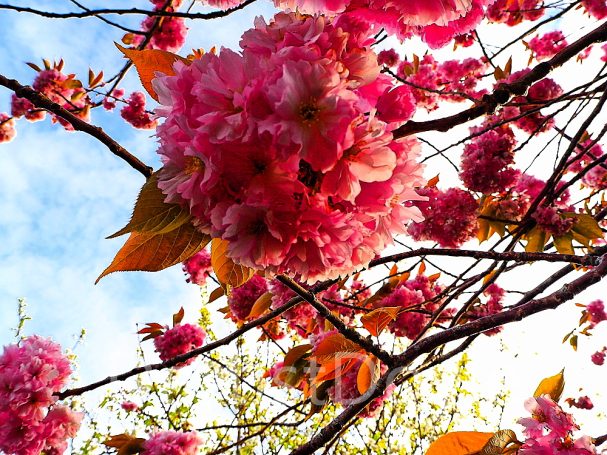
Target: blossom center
x=309 y=111
x=193 y=164
x=308 y=176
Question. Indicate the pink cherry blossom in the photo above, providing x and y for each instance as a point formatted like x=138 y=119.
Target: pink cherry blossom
x=198 y=267
x=172 y=443
x=178 y=340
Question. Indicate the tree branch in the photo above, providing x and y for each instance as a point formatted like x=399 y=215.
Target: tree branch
x=504 y=91
x=118 y=11
x=41 y=101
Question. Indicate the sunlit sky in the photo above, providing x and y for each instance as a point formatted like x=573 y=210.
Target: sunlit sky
x=63 y=193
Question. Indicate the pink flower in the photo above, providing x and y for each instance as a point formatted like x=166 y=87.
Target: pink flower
x=7 y=128
x=172 y=443
x=23 y=107
x=547 y=45
x=396 y=105
x=134 y=112
x=198 y=267
x=450 y=217
x=169 y=34
x=109 y=103
x=30 y=420
x=598 y=358
x=388 y=57
x=596 y=310
x=180 y=339
x=129 y=406
x=546 y=415
x=242 y=298
x=275 y=149
x=596 y=8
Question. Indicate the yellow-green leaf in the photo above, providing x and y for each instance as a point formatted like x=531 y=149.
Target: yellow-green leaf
x=226 y=270
x=459 y=443
x=150 y=61
x=536 y=239
x=152 y=252
x=564 y=244
x=552 y=386
x=587 y=227
x=152 y=214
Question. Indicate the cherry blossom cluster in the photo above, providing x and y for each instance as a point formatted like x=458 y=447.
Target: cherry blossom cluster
x=134 y=112
x=436 y=21
x=598 y=358
x=550 y=430
x=513 y=12
x=198 y=268
x=547 y=45
x=273 y=149
x=172 y=443
x=452 y=80
x=242 y=299
x=582 y=402
x=596 y=8
x=450 y=217
x=60 y=88
x=168 y=33
x=31 y=421
x=7 y=127
x=178 y=340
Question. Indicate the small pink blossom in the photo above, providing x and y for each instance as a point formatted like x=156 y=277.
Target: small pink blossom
x=134 y=112
x=172 y=443
x=129 y=406
x=198 y=267
x=178 y=340
x=7 y=128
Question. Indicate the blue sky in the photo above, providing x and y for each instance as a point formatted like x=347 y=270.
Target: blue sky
x=63 y=193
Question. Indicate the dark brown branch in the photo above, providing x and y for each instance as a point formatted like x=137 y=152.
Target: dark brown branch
x=342 y=328
x=491 y=255
x=426 y=345
x=504 y=92
x=41 y=101
x=118 y=11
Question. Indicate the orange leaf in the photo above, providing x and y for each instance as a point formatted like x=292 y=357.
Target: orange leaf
x=459 y=443
x=152 y=214
x=377 y=320
x=333 y=346
x=261 y=305
x=552 y=386
x=178 y=317
x=217 y=293
x=126 y=444
x=433 y=181
x=150 y=61
x=151 y=252
x=227 y=271
x=368 y=374
x=295 y=354
x=335 y=368
x=422 y=268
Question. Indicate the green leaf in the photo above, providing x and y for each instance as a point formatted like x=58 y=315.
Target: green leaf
x=152 y=214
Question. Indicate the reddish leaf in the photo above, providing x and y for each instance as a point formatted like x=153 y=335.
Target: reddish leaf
x=296 y=353
x=459 y=443
x=377 y=320
x=150 y=61
x=152 y=214
x=178 y=317
x=227 y=271
x=154 y=252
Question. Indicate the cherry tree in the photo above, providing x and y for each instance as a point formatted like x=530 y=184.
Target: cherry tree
x=353 y=203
